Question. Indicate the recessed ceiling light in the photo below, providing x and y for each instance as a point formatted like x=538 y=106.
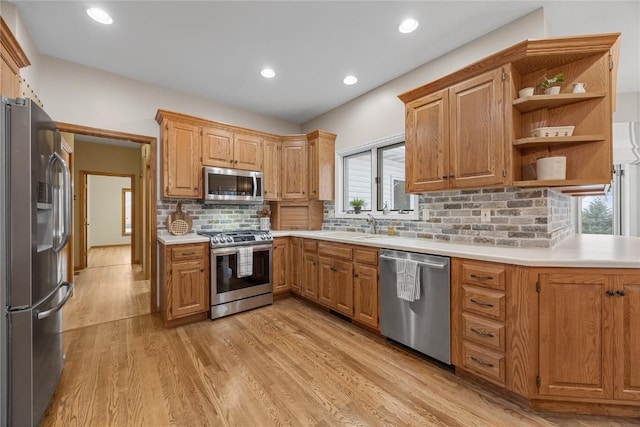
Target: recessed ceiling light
x=99 y=15
x=267 y=73
x=350 y=80
x=409 y=25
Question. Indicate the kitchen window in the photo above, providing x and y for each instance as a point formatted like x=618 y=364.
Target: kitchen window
x=375 y=173
x=616 y=212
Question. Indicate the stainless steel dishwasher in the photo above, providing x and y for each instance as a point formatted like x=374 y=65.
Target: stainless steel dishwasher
x=423 y=325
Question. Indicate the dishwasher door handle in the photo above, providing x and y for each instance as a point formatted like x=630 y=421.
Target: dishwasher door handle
x=425 y=264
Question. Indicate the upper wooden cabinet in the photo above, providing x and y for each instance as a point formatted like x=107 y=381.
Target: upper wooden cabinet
x=271 y=168
x=470 y=128
x=322 y=169
x=12 y=58
x=228 y=149
x=455 y=137
x=182 y=169
x=294 y=165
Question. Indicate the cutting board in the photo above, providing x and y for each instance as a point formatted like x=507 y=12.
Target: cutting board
x=179 y=222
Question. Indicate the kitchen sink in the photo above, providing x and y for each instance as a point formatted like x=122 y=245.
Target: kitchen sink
x=354 y=235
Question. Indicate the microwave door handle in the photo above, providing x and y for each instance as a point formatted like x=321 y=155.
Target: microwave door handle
x=65 y=233
x=255 y=185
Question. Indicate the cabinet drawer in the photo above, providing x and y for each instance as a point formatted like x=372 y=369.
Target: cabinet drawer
x=485 y=362
x=187 y=252
x=366 y=256
x=484 y=274
x=310 y=245
x=483 y=331
x=485 y=302
x=335 y=250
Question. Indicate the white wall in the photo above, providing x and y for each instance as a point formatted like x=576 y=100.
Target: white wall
x=104 y=210
x=73 y=93
x=628 y=107
x=379 y=113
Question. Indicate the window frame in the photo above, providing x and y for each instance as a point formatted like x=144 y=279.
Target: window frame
x=340 y=210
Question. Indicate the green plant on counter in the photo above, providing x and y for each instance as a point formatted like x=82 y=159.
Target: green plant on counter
x=553 y=81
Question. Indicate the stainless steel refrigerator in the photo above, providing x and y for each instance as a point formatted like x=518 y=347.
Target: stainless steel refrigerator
x=35 y=221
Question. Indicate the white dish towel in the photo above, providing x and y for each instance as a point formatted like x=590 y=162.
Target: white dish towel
x=408 y=279
x=245 y=261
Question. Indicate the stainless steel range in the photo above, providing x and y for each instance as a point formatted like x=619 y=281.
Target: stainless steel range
x=240 y=271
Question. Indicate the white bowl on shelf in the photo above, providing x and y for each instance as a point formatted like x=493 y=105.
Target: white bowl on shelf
x=524 y=92
x=551 y=131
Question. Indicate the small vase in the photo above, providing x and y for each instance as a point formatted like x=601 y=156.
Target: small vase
x=265 y=224
x=579 y=87
x=553 y=90
x=357 y=209
x=524 y=92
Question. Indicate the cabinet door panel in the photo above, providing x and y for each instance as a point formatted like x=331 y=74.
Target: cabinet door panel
x=271 y=169
x=297 y=283
x=182 y=167
x=575 y=342
x=427 y=143
x=365 y=291
x=217 y=148
x=247 y=152
x=343 y=279
x=311 y=276
x=280 y=283
x=188 y=288
x=325 y=282
x=477 y=131
x=627 y=346
x=294 y=170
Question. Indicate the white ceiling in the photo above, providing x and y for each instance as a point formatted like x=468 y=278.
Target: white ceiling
x=215 y=49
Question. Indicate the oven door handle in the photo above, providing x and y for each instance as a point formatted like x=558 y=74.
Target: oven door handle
x=234 y=250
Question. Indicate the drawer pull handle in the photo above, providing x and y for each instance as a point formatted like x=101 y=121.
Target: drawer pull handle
x=189 y=253
x=480 y=303
x=482 y=334
x=621 y=293
x=482 y=362
x=475 y=276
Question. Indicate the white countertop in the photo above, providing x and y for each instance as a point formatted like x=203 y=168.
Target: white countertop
x=580 y=250
x=170 y=239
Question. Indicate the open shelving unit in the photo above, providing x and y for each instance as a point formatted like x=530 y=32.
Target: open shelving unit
x=589 y=149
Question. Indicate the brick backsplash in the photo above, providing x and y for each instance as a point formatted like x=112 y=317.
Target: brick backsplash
x=519 y=218
x=212 y=217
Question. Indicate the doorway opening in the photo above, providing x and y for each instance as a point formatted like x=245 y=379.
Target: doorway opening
x=120 y=251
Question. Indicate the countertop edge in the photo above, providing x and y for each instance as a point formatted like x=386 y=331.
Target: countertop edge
x=527 y=257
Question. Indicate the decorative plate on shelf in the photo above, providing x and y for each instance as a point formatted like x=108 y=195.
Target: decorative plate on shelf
x=552 y=131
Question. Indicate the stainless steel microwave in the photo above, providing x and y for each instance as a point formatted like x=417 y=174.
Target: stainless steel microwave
x=232 y=186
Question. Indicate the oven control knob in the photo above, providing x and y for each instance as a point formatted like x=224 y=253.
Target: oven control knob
x=229 y=239
x=215 y=239
x=268 y=236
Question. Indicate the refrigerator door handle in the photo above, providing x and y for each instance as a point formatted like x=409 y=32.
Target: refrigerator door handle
x=65 y=233
x=44 y=314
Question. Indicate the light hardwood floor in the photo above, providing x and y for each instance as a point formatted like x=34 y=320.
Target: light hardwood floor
x=111 y=288
x=285 y=364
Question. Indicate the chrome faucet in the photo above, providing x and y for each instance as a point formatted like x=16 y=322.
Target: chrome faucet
x=373 y=224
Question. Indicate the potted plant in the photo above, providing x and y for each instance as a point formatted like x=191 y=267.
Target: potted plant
x=551 y=85
x=357 y=204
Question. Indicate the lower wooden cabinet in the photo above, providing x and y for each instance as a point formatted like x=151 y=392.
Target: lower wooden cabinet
x=279 y=265
x=365 y=286
x=296 y=272
x=184 y=282
x=589 y=348
x=311 y=270
x=567 y=339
